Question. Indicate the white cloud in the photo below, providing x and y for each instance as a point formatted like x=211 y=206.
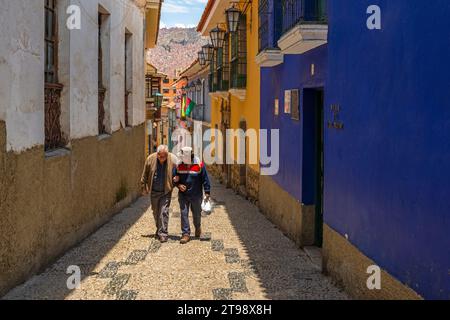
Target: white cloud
x=182 y=25
x=182 y=13
x=174 y=8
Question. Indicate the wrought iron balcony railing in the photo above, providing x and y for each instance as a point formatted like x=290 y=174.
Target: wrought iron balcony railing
x=238 y=74
x=222 y=83
x=303 y=11
x=217 y=81
x=263 y=25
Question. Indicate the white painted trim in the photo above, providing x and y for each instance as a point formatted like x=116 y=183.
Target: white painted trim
x=303 y=37
x=269 y=58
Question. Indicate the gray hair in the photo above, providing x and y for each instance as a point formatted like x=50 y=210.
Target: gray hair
x=163 y=148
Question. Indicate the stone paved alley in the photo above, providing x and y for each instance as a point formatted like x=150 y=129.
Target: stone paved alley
x=242 y=256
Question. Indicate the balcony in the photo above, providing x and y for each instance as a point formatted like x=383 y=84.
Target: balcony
x=218 y=86
x=268 y=56
x=238 y=64
x=238 y=78
x=304 y=26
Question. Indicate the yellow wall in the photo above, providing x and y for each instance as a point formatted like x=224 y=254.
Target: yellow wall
x=248 y=110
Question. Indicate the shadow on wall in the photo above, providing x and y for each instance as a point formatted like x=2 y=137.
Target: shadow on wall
x=49 y=204
x=86 y=256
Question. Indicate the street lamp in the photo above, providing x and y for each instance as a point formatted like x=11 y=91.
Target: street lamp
x=201 y=58
x=233 y=14
x=217 y=36
x=158 y=100
x=208 y=51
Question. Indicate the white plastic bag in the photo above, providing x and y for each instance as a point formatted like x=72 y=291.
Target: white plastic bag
x=207 y=206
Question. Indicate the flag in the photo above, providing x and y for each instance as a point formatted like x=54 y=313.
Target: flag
x=183 y=106
x=187 y=106
x=190 y=105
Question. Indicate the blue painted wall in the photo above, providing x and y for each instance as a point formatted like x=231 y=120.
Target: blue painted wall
x=387 y=174
x=294 y=73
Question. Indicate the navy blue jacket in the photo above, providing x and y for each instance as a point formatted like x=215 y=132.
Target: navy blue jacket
x=194 y=177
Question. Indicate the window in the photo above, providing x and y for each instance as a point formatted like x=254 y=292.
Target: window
x=223 y=69
x=166 y=81
x=174 y=91
x=263 y=25
x=239 y=55
x=53 y=133
x=103 y=66
x=51 y=42
x=128 y=76
x=213 y=73
x=202 y=92
x=166 y=91
x=148 y=87
x=156 y=86
x=197 y=94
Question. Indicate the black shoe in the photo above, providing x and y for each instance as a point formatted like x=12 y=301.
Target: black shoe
x=163 y=239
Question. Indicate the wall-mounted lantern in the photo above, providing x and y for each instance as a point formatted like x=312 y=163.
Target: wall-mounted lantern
x=233 y=15
x=208 y=51
x=201 y=58
x=217 y=36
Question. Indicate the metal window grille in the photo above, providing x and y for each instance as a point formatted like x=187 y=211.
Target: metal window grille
x=101 y=87
x=239 y=55
x=223 y=66
x=263 y=30
x=52 y=91
x=300 y=11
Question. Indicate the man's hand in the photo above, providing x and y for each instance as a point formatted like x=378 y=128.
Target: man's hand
x=176 y=179
x=182 y=187
x=207 y=197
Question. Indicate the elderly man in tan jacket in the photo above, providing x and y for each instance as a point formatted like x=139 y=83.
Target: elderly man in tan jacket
x=157 y=180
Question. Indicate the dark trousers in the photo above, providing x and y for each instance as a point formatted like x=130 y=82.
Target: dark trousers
x=160 y=207
x=195 y=204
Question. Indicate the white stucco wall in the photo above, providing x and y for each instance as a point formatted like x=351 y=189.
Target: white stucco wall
x=22 y=72
x=22 y=69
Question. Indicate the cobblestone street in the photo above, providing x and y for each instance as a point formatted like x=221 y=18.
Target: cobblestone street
x=241 y=256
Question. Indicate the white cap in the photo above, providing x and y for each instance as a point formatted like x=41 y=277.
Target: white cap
x=185 y=155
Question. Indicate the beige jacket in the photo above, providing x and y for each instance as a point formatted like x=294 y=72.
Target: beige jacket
x=150 y=169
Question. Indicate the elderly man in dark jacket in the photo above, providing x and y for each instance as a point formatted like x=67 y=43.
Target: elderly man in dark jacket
x=191 y=178
x=157 y=180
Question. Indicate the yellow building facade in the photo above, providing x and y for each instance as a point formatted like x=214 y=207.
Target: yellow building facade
x=234 y=84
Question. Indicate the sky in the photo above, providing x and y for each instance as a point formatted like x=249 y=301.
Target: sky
x=181 y=13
